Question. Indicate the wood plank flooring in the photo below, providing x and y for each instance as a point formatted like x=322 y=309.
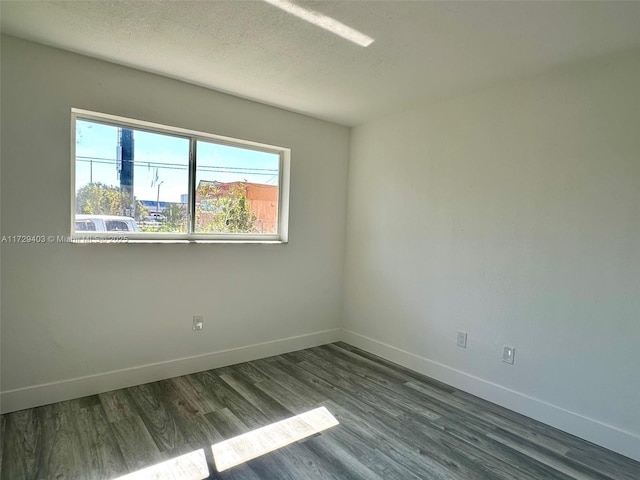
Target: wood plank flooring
x=395 y=424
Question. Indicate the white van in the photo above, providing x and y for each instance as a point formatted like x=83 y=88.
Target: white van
x=105 y=223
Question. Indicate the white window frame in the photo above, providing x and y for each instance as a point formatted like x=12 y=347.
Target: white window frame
x=193 y=136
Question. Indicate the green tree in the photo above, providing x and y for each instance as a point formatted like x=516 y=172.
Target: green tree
x=101 y=199
x=225 y=211
x=176 y=218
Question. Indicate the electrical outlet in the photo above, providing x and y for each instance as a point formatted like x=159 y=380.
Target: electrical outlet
x=508 y=355
x=462 y=339
x=198 y=322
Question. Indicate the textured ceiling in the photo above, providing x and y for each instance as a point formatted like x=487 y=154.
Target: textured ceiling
x=423 y=51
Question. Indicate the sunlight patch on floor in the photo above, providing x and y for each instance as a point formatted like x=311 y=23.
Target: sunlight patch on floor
x=192 y=466
x=250 y=445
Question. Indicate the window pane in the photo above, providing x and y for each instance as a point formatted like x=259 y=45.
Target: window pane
x=85 y=226
x=116 y=226
x=236 y=190
x=124 y=172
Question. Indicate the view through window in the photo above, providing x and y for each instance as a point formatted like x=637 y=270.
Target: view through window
x=148 y=182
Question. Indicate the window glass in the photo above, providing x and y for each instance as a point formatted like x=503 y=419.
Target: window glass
x=236 y=190
x=132 y=173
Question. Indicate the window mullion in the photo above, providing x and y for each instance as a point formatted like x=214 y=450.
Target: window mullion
x=192 y=185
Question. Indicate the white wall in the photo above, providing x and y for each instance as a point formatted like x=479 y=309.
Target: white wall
x=514 y=215
x=71 y=311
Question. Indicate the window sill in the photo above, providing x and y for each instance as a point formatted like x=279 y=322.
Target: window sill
x=122 y=241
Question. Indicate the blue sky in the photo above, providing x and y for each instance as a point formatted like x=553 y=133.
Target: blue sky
x=163 y=160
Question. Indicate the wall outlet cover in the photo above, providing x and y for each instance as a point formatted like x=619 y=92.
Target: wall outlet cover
x=462 y=339
x=508 y=355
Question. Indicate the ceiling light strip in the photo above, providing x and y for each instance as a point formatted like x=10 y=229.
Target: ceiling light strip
x=323 y=21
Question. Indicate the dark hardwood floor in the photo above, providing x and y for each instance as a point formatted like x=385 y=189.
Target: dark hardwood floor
x=394 y=424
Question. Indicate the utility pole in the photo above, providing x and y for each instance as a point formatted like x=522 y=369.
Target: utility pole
x=125 y=167
x=158 y=199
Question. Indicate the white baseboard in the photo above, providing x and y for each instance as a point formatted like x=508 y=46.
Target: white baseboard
x=607 y=436
x=44 y=394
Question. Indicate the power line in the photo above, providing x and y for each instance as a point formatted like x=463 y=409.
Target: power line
x=112 y=160
x=178 y=166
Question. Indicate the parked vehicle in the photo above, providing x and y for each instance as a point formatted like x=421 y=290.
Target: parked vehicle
x=155 y=217
x=105 y=223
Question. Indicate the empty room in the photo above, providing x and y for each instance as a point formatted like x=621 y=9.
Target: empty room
x=286 y=239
